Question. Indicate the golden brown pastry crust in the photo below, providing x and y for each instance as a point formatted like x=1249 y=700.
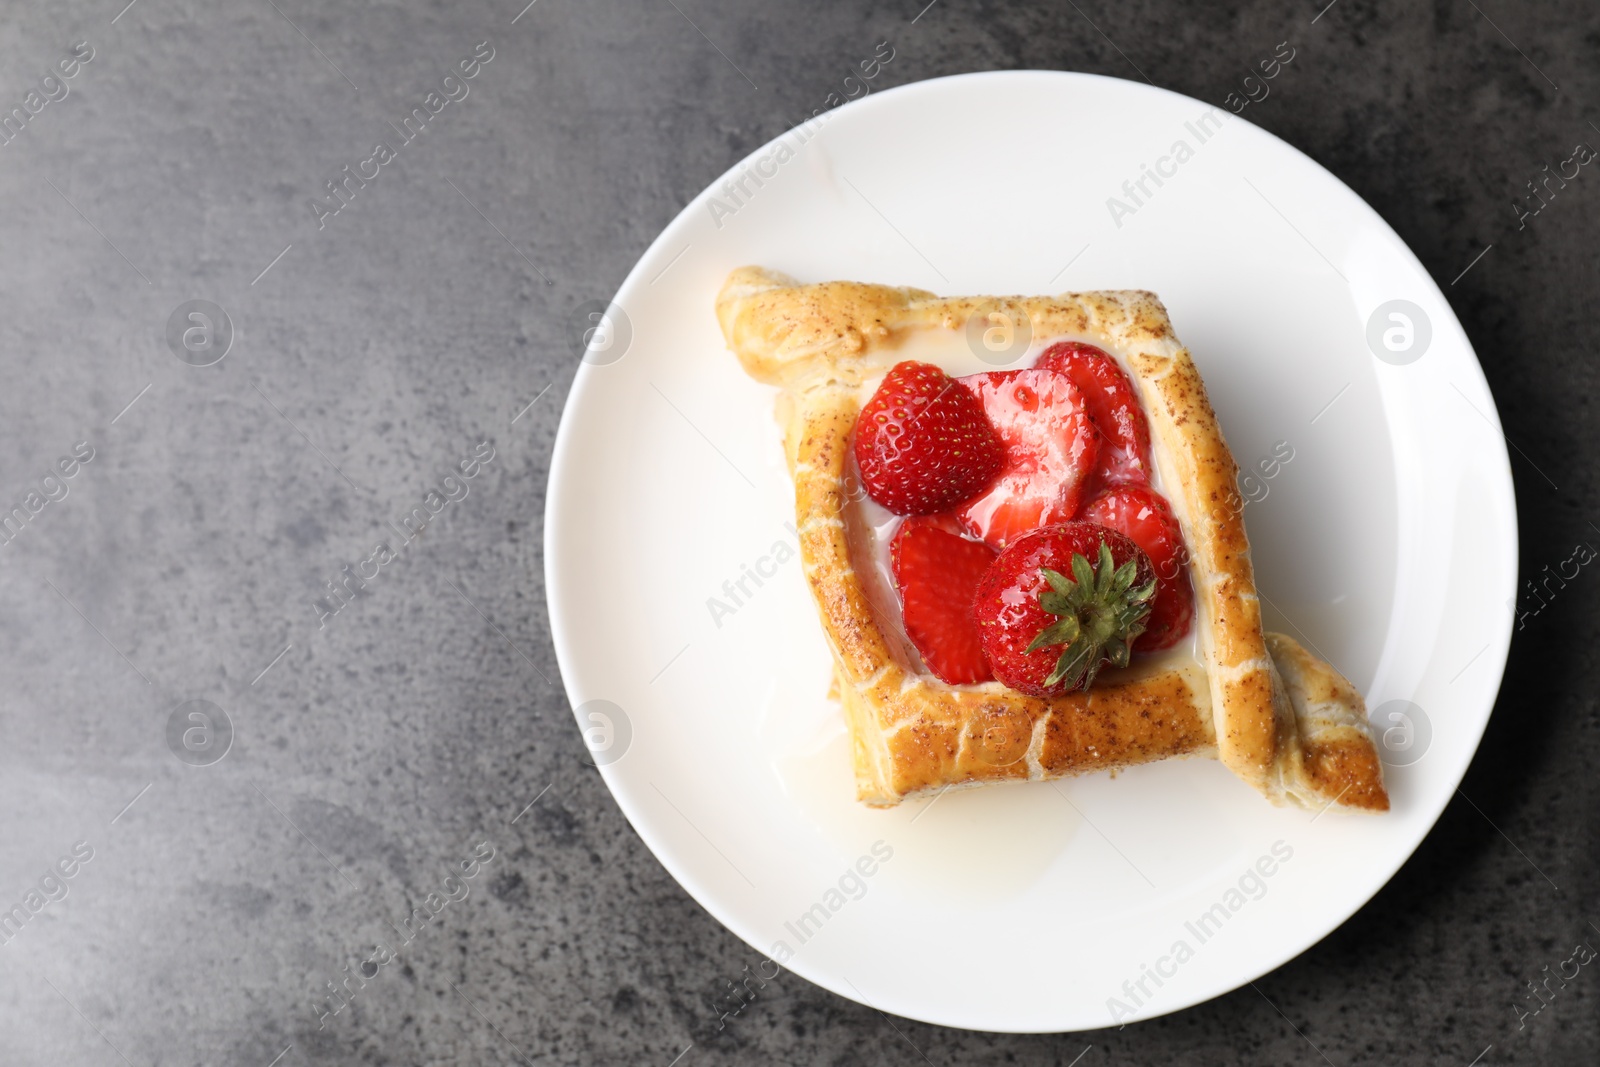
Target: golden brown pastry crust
x=1285 y=723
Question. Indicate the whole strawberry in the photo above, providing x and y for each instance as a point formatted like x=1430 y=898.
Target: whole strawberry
x=923 y=443
x=1061 y=602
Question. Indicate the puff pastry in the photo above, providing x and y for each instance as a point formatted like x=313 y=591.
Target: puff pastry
x=1283 y=721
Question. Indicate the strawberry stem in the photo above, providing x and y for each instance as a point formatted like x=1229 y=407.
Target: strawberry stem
x=1101 y=615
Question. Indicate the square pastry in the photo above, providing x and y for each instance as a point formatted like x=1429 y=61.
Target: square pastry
x=1019 y=521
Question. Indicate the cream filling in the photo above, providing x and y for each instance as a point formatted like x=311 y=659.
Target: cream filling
x=869 y=527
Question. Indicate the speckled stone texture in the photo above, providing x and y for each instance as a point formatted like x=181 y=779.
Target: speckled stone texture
x=401 y=737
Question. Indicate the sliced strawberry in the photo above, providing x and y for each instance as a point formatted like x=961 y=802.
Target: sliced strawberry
x=937 y=573
x=1114 y=407
x=1060 y=603
x=1050 y=449
x=1147 y=519
x=922 y=443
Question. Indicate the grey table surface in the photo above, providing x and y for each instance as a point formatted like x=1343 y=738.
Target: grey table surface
x=211 y=902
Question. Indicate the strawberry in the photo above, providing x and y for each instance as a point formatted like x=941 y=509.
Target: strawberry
x=1113 y=406
x=937 y=573
x=1050 y=450
x=1142 y=514
x=1059 y=603
x=922 y=442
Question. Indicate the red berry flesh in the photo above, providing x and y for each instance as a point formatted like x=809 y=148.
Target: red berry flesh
x=1113 y=406
x=1142 y=514
x=937 y=573
x=1050 y=449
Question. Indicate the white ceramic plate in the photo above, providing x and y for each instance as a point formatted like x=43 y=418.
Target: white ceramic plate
x=1388 y=543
